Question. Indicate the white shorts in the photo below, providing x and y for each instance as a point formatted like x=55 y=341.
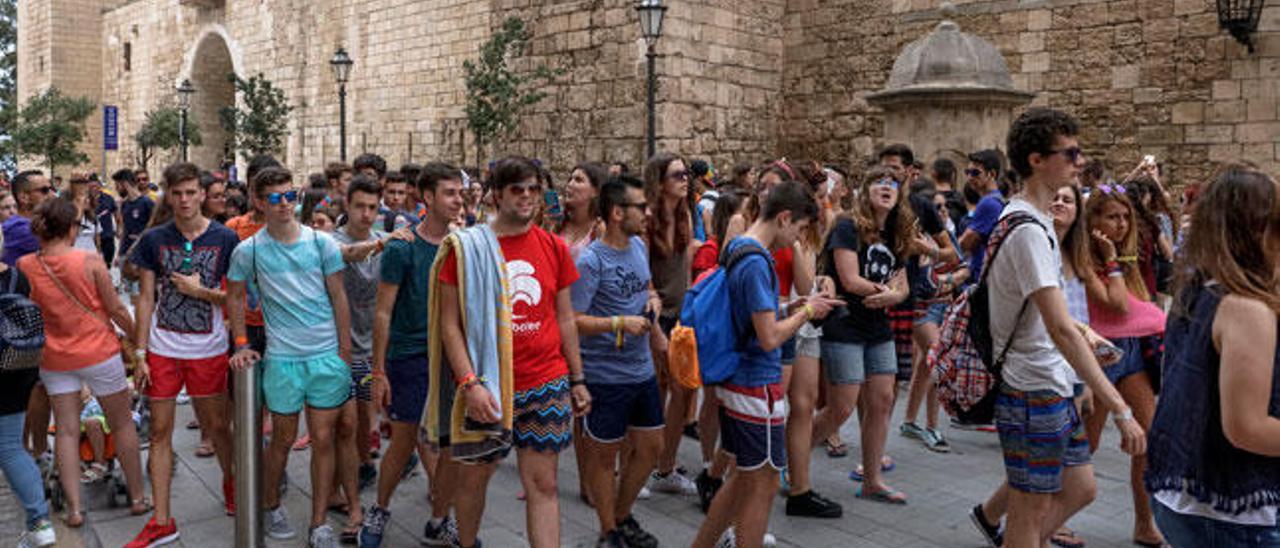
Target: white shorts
x=104 y=379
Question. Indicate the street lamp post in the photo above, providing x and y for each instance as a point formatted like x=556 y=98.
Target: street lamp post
x=185 y=91
x=651 y=13
x=341 y=65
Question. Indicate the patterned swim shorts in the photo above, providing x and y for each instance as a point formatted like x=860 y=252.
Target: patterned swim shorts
x=543 y=417
x=1041 y=434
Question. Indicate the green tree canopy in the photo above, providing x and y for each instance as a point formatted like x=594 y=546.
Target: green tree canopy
x=51 y=126
x=160 y=131
x=8 y=80
x=495 y=94
x=259 y=124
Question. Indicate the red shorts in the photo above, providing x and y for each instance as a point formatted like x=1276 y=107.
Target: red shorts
x=203 y=377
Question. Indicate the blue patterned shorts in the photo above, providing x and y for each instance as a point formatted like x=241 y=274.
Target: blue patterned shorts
x=1040 y=434
x=544 y=417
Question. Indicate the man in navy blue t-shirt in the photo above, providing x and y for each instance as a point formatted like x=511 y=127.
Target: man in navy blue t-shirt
x=752 y=412
x=984 y=171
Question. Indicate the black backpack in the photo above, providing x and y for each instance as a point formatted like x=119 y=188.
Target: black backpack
x=979 y=328
x=21 y=329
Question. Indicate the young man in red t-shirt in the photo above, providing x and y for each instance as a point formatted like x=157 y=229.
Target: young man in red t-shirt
x=547 y=370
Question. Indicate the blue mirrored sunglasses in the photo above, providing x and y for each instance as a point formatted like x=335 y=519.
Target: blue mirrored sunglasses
x=276 y=197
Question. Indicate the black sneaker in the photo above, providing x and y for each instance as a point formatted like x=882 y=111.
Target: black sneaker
x=691 y=430
x=992 y=533
x=812 y=505
x=707 y=488
x=634 y=536
x=611 y=540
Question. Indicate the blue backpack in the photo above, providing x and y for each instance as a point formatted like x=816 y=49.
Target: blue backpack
x=708 y=311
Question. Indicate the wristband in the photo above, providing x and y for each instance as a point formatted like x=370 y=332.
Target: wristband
x=577 y=382
x=240 y=347
x=242 y=341
x=466 y=380
x=808 y=311
x=378 y=373
x=1126 y=415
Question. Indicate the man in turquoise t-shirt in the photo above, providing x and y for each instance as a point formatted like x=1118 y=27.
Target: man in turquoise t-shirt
x=400 y=366
x=298 y=273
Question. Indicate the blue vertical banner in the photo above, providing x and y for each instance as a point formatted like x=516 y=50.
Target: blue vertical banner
x=110 y=128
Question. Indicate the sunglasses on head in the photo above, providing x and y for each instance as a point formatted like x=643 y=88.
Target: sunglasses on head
x=275 y=198
x=1111 y=188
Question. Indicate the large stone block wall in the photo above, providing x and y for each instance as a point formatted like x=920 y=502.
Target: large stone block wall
x=1144 y=76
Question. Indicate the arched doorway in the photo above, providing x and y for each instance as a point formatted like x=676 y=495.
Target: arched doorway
x=210 y=70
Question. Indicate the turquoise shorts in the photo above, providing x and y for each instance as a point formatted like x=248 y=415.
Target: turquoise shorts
x=320 y=382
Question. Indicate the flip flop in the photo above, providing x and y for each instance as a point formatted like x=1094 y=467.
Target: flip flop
x=1149 y=544
x=204 y=450
x=350 y=534
x=1066 y=538
x=836 y=451
x=74 y=520
x=140 y=507
x=886 y=465
x=886 y=496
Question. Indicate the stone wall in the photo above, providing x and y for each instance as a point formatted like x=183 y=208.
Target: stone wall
x=1144 y=76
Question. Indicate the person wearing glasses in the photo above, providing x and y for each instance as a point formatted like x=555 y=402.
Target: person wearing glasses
x=983 y=173
x=181 y=338
x=298 y=274
x=611 y=300
x=548 y=386
x=30 y=188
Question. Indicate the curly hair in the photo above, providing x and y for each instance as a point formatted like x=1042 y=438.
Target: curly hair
x=1035 y=132
x=901 y=222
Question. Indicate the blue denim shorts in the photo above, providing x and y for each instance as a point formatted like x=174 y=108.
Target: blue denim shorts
x=931 y=313
x=852 y=363
x=1192 y=530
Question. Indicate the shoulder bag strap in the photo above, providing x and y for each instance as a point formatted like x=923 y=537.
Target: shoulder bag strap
x=1014 y=221
x=72 y=296
x=13 y=281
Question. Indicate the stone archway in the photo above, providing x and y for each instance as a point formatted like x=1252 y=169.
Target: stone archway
x=209 y=66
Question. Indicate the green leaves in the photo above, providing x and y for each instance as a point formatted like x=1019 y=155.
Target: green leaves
x=259 y=123
x=51 y=126
x=8 y=80
x=160 y=131
x=495 y=94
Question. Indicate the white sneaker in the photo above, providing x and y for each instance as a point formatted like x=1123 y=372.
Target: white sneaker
x=644 y=494
x=673 y=483
x=278 y=524
x=322 y=537
x=39 y=536
x=728 y=540
x=183 y=398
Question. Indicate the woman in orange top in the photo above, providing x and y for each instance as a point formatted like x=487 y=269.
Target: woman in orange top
x=74 y=291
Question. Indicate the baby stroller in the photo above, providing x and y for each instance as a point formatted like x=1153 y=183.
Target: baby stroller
x=108 y=478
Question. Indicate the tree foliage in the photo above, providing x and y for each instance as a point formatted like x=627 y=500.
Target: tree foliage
x=495 y=93
x=161 y=131
x=51 y=126
x=259 y=124
x=8 y=80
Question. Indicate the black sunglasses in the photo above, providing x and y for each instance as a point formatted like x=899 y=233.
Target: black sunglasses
x=1071 y=153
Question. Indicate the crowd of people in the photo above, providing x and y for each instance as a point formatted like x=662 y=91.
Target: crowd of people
x=464 y=313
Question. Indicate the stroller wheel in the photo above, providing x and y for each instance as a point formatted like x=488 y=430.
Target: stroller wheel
x=54 y=491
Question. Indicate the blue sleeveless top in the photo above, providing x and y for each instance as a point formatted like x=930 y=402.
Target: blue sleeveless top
x=1186 y=448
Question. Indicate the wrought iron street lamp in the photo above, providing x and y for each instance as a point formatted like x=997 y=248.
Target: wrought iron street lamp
x=185 y=91
x=1240 y=18
x=651 y=13
x=341 y=65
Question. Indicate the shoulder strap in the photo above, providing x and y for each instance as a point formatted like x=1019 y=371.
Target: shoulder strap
x=1003 y=230
x=70 y=295
x=13 y=281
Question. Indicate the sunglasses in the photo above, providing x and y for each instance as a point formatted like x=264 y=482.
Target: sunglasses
x=889 y=182
x=678 y=176
x=525 y=188
x=1111 y=189
x=637 y=205
x=973 y=172
x=1072 y=153
x=275 y=198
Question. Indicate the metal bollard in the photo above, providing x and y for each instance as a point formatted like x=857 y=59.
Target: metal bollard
x=248 y=448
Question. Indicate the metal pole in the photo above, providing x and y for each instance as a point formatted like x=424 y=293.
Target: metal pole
x=182 y=132
x=653 y=89
x=248 y=449
x=342 y=123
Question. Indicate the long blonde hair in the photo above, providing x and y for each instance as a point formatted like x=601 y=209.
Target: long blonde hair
x=1127 y=247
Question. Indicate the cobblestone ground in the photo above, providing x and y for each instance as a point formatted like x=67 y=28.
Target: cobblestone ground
x=941 y=489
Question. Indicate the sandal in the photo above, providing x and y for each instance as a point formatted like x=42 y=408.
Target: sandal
x=193 y=425
x=1066 y=538
x=205 y=449
x=836 y=451
x=140 y=506
x=886 y=465
x=1151 y=544
x=350 y=534
x=94 y=473
x=302 y=443
x=886 y=496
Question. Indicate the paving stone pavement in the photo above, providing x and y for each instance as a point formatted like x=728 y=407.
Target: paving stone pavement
x=941 y=488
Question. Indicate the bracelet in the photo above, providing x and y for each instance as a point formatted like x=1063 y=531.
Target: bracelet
x=1126 y=415
x=808 y=311
x=240 y=347
x=616 y=323
x=242 y=341
x=577 y=382
x=468 y=379
x=378 y=373
x=140 y=353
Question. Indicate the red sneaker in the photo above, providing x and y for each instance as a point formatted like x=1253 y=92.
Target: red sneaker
x=375 y=441
x=229 y=495
x=155 y=534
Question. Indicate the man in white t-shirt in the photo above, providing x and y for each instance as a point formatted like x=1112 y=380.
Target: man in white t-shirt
x=1046 y=455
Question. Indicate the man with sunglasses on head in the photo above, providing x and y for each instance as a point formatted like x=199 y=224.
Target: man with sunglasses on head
x=549 y=386
x=298 y=273
x=181 y=338
x=983 y=173
x=30 y=189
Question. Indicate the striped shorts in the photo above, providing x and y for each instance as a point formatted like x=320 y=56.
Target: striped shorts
x=543 y=417
x=1040 y=434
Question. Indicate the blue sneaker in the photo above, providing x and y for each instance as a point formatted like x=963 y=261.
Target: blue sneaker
x=443 y=534
x=375 y=521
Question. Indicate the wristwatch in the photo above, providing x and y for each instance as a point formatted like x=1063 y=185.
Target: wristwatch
x=1126 y=415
